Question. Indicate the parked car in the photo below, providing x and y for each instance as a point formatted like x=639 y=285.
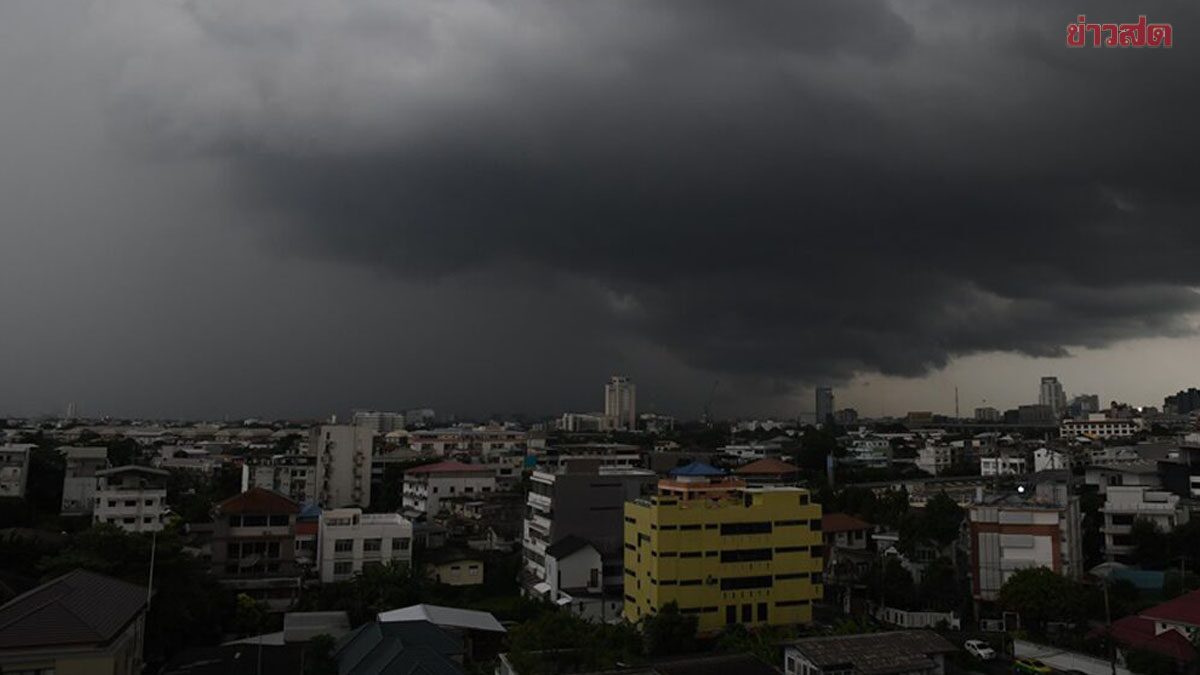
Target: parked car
x=980 y=650
x=1031 y=667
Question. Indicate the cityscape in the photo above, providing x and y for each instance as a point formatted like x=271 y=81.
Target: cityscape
x=1056 y=535
x=599 y=337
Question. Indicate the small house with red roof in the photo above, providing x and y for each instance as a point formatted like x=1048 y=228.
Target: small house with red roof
x=847 y=554
x=427 y=487
x=1167 y=629
x=769 y=471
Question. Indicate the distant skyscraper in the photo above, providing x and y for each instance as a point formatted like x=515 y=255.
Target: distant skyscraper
x=987 y=415
x=824 y=404
x=1052 y=395
x=620 y=403
x=1083 y=405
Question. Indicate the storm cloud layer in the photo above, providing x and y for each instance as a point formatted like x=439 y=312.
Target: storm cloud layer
x=785 y=191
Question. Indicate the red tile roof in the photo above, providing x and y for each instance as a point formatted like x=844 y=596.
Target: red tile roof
x=1185 y=609
x=451 y=466
x=842 y=522
x=1138 y=632
x=769 y=465
x=258 y=500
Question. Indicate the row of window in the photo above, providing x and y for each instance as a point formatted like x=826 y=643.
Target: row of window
x=258 y=521
x=372 y=545
x=732 y=555
x=112 y=503
x=741 y=583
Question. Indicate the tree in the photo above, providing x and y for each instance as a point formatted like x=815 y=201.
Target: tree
x=940 y=588
x=669 y=631
x=249 y=616
x=318 y=656
x=1039 y=595
x=558 y=642
x=1151 y=546
x=892 y=584
x=378 y=589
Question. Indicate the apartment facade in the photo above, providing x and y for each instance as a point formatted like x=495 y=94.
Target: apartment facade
x=351 y=541
x=580 y=500
x=752 y=557
x=14 y=469
x=254 y=547
x=427 y=487
x=343 y=458
x=134 y=498
x=79 y=479
x=1015 y=531
x=1097 y=425
x=1124 y=505
x=620 y=403
x=294 y=476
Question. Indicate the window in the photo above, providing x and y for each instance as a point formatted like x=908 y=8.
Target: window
x=279 y=521
x=372 y=545
x=691 y=554
x=730 y=614
x=345 y=567
x=112 y=503
x=762 y=611
x=130 y=502
x=147 y=520
x=747 y=613
x=788 y=523
x=149 y=502
x=746 y=555
x=798 y=575
x=791 y=549
x=689 y=527
x=231 y=550
x=234 y=521
x=254 y=521
x=791 y=603
x=273 y=549
x=742 y=583
x=343 y=545
x=129 y=521
x=689 y=582
x=746 y=528
x=400 y=544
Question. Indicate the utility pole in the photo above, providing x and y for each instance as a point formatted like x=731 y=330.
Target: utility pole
x=150 y=581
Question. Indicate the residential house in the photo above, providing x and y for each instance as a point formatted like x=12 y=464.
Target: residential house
x=134 y=498
x=14 y=469
x=350 y=541
x=770 y=471
x=254 y=547
x=1125 y=505
x=81 y=622
x=455 y=567
x=425 y=487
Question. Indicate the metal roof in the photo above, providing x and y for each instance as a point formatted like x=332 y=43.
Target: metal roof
x=78 y=608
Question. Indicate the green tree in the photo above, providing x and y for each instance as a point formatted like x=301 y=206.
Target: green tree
x=560 y=642
x=1151 y=546
x=318 y=656
x=249 y=616
x=940 y=588
x=1039 y=595
x=669 y=631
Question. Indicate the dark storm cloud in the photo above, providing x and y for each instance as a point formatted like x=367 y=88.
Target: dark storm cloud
x=780 y=189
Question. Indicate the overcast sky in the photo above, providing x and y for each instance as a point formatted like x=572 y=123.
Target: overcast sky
x=254 y=207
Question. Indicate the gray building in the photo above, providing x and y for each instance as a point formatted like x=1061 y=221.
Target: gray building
x=824 y=407
x=585 y=500
x=79 y=479
x=1051 y=394
x=344 y=453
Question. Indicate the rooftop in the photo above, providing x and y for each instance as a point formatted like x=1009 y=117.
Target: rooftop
x=769 y=465
x=133 y=468
x=842 y=522
x=78 y=608
x=697 y=469
x=875 y=653
x=444 y=616
x=258 y=500
x=450 y=466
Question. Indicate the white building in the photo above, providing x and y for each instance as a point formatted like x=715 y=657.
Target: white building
x=869 y=450
x=131 y=497
x=14 y=469
x=936 y=459
x=351 y=541
x=1004 y=463
x=1142 y=473
x=425 y=487
x=1021 y=530
x=1124 y=505
x=582 y=422
x=1097 y=425
x=1045 y=459
x=379 y=422
x=187 y=458
x=343 y=453
x=79 y=479
x=294 y=476
x=620 y=403
x=750 y=452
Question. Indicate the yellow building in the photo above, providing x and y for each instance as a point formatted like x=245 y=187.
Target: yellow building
x=731 y=555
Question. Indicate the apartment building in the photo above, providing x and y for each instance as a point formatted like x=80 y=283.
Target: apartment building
x=427 y=487
x=131 y=497
x=1004 y=462
x=1123 y=505
x=351 y=541
x=254 y=547
x=294 y=476
x=578 y=505
x=343 y=458
x=480 y=440
x=752 y=556
x=79 y=479
x=936 y=459
x=1020 y=530
x=1098 y=426
x=14 y=469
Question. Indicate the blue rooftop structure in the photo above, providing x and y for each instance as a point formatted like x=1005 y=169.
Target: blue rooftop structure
x=698 y=469
x=309 y=511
